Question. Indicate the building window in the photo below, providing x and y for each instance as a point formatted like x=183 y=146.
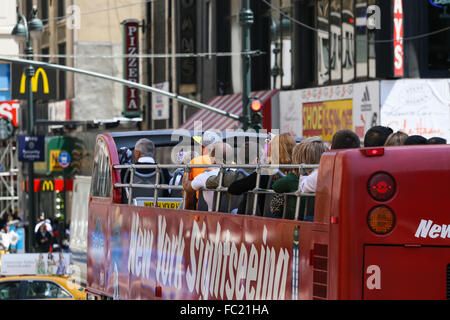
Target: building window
x=372 y=62
x=336 y=40
x=348 y=43
x=44 y=11
x=361 y=39
x=439 y=44
x=61 y=9
x=5 y=82
x=62 y=74
x=281 y=45
x=45 y=51
x=28 y=8
x=323 y=42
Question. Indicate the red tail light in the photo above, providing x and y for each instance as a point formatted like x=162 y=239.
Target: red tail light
x=381 y=186
x=373 y=152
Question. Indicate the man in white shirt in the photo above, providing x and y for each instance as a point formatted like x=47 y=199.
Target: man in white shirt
x=220 y=153
x=308 y=183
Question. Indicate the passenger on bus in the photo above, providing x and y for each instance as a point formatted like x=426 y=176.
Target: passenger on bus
x=249 y=153
x=181 y=158
x=377 y=136
x=143 y=154
x=415 y=140
x=279 y=152
x=221 y=153
x=345 y=139
x=206 y=141
x=396 y=139
x=308 y=151
x=437 y=140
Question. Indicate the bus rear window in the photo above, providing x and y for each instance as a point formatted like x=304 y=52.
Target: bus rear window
x=101 y=177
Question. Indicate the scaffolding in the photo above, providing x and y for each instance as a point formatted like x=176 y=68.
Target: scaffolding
x=9 y=172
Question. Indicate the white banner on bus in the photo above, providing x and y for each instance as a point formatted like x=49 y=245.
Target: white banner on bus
x=417 y=106
x=55 y=263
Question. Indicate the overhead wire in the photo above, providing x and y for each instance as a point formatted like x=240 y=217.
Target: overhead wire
x=91 y=12
x=144 y=56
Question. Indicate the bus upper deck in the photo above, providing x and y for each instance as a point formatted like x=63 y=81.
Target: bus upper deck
x=380 y=219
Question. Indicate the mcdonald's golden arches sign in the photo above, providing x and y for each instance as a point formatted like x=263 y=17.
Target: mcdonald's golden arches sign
x=43 y=83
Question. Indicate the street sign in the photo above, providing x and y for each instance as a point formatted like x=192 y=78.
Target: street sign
x=31 y=148
x=64 y=159
x=43 y=83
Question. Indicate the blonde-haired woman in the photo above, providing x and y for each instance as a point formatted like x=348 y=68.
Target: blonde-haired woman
x=279 y=152
x=396 y=139
x=309 y=151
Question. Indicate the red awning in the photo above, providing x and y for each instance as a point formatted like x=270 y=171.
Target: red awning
x=231 y=103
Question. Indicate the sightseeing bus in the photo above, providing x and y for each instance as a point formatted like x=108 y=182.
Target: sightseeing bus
x=379 y=229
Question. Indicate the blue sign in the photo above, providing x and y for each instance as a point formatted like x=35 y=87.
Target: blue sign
x=31 y=148
x=64 y=159
x=437 y=3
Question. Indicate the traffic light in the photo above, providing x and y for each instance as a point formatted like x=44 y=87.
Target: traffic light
x=255 y=114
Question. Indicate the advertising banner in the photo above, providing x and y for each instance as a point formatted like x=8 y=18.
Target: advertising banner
x=43 y=83
x=324 y=119
x=10 y=110
x=134 y=253
x=55 y=263
x=291 y=104
x=417 y=107
x=366 y=106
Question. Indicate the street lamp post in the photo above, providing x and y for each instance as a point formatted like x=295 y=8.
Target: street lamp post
x=246 y=20
x=29 y=30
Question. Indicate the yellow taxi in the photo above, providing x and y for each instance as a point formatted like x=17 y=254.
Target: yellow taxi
x=40 y=287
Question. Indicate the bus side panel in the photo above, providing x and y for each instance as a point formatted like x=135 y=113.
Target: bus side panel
x=97 y=245
x=173 y=254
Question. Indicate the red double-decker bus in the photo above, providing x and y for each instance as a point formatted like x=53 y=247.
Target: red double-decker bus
x=380 y=230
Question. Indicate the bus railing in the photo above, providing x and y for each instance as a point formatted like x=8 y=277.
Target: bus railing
x=267 y=169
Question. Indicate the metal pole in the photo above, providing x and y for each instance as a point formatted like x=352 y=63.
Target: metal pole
x=29 y=72
x=246 y=21
x=128 y=83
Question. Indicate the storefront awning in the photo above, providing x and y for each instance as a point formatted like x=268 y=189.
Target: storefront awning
x=42 y=185
x=231 y=103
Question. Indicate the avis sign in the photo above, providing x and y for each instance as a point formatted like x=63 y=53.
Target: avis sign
x=398 y=39
x=43 y=83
